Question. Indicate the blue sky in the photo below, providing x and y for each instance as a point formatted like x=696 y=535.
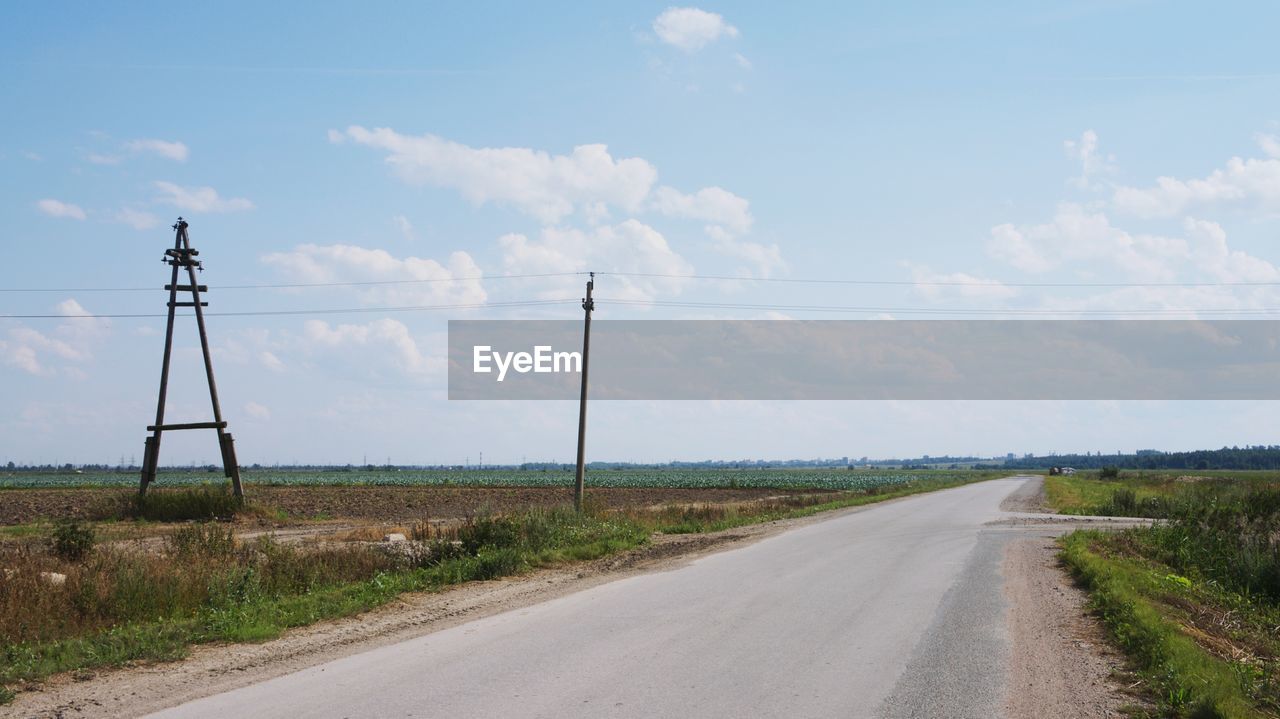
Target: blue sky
x=995 y=143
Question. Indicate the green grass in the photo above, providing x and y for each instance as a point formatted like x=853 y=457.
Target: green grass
x=1135 y=600
x=1146 y=493
x=119 y=607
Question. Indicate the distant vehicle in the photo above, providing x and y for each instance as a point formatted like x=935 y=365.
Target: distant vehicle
x=1068 y=470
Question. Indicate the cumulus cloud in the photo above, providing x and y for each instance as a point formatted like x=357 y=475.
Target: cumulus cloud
x=175 y=151
x=422 y=281
x=691 y=29
x=401 y=349
x=137 y=219
x=1092 y=163
x=1077 y=234
x=938 y=285
x=406 y=228
x=548 y=187
x=269 y=360
x=199 y=199
x=1211 y=255
x=762 y=260
x=630 y=246
x=34 y=352
x=57 y=208
x=587 y=185
x=1253 y=181
x=710 y=204
x=257 y=411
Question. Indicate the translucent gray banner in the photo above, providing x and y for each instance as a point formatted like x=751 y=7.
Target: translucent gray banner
x=843 y=360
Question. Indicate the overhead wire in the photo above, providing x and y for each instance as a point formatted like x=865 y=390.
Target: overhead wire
x=675 y=276
x=931 y=283
x=325 y=311
x=302 y=285
x=687 y=304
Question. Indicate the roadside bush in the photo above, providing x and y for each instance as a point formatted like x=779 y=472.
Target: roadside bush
x=1124 y=503
x=1109 y=473
x=202 y=540
x=72 y=541
x=1230 y=536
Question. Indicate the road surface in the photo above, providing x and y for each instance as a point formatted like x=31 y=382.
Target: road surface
x=893 y=611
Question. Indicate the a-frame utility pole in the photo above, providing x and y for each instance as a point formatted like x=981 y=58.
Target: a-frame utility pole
x=579 y=482
x=181 y=257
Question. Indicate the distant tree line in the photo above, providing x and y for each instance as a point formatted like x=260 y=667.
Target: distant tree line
x=1255 y=457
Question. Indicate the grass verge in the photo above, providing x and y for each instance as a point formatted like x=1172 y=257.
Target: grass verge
x=1208 y=652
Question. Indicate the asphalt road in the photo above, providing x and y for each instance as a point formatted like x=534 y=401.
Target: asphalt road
x=894 y=611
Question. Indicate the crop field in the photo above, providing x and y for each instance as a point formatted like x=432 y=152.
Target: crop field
x=831 y=479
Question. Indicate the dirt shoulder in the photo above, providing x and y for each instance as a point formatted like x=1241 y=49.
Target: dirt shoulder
x=211 y=669
x=1061 y=665
x=1027 y=498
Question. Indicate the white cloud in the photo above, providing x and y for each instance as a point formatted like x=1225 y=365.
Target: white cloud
x=257 y=411
x=57 y=208
x=99 y=159
x=405 y=227
x=763 y=260
x=200 y=199
x=1009 y=245
x=710 y=204
x=269 y=360
x=404 y=353
x=1270 y=144
x=1255 y=181
x=1212 y=256
x=742 y=61
x=423 y=281
x=32 y=351
x=630 y=246
x=1092 y=163
x=548 y=187
x=137 y=219
x=1077 y=234
x=22 y=356
x=938 y=285
x=176 y=151
x=691 y=29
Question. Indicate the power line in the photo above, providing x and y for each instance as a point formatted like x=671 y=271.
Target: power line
x=333 y=311
x=939 y=310
x=303 y=285
x=662 y=275
x=929 y=283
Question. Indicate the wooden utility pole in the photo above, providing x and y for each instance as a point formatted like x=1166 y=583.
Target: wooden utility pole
x=181 y=256
x=579 y=483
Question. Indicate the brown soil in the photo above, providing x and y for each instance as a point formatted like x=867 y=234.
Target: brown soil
x=23 y=506
x=1062 y=666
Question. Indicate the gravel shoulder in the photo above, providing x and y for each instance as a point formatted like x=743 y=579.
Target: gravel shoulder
x=1061 y=663
x=1029 y=498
